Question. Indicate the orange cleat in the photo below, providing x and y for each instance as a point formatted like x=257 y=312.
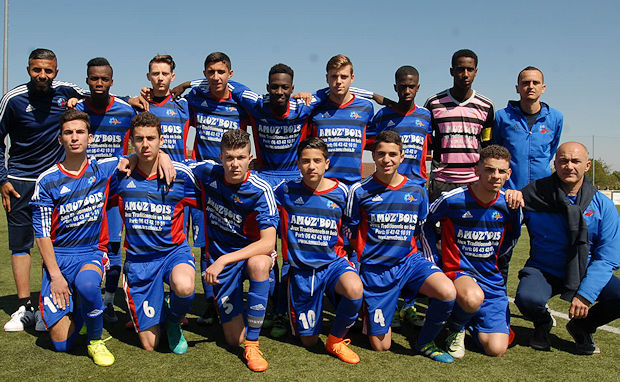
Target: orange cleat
x=254 y=356
x=340 y=348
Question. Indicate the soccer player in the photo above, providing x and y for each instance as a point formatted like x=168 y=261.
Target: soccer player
x=29 y=116
x=341 y=122
x=157 y=250
x=529 y=129
x=478 y=232
x=69 y=214
x=312 y=210
x=574 y=251
x=110 y=119
x=241 y=217
x=462 y=120
x=412 y=122
x=385 y=212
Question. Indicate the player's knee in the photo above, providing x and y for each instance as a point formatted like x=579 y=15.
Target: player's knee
x=378 y=345
x=259 y=267
x=446 y=291
x=494 y=349
x=183 y=287
x=470 y=300
x=149 y=344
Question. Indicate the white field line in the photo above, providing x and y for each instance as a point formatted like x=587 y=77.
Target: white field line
x=565 y=317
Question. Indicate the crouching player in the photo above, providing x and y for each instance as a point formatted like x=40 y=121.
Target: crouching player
x=478 y=232
x=385 y=212
x=68 y=207
x=312 y=209
x=157 y=250
x=241 y=217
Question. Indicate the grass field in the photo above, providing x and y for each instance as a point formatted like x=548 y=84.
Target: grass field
x=29 y=356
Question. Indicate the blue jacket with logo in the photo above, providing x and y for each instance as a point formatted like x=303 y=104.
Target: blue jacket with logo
x=531 y=150
x=549 y=244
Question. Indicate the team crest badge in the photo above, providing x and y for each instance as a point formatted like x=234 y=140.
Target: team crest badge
x=496 y=216
x=92 y=179
x=114 y=121
x=355 y=115
x=171 y=112
x=62 y=102
x=409 y=198
x=331 y=205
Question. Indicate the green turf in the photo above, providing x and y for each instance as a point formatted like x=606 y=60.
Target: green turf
x=28 y=356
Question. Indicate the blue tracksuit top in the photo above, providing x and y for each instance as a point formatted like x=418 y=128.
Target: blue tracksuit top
x=531 y=150
x=549 y=244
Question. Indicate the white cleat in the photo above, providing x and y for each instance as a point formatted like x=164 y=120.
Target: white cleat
x=19 y=320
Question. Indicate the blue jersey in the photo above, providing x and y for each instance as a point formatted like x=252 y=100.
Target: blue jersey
x=153 y=212
x=212 y=118
x=343 y=128
x=384 y=221
x=71 y=209
x=415 y=130
x=276 y=137
x=234 y=213
x=174 y=117
x=474 y=235
x=30 y=120
x=110 y=127
x=311 y=223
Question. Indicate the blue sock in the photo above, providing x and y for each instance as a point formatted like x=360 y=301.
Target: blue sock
x=282 y=294
x=346 y=314
x=87 y=283
x=207 y=288
x=436 y=315
x=114 y=273
x=66 y=345
x=459 y=318
x=258 y=295
x=179 y=306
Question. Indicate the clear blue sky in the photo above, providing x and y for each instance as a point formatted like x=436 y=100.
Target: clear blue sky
x=576 y=44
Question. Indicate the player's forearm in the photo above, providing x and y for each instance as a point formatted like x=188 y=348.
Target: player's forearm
x=49 y=257
x=263 y=246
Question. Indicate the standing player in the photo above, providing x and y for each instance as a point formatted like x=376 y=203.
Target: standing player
x=529 y=129
x=157 y=250
x=462 y=120
x=69 y=214
x=478 y=232
x=29 y=116
x=312 y=209
x=241 y=217
x=385 y=212
x=110 y=119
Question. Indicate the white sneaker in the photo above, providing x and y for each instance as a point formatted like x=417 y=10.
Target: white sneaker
x=19 y=320
x=455 y=344
x=39 y=324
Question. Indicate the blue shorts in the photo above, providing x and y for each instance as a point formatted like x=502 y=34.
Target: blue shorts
x=383 y=285
x=493 y=315
x=19 y=219
x=306 y=289
x=198 y=228
x=229 y=292
x=70 y=266
x=143 y=282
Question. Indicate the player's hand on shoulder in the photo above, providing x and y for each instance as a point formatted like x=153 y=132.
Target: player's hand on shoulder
x=139 y=102
x=71 y=102
x=165 y=168
x=514 y=199
x=306 y=97
x=178 y=90
x=126 y=165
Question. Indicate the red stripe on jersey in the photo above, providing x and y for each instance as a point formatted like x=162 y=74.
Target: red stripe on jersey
x=178 y=220
x=185 y=134
x=126 y=143
x=250 y=227
x=54 y=226
x=104 y=236
x=339 y=247
x=43 y=310
x=132 y=306
x=362 y=234
x=450 y=256
x=423 y=155
x=73 y=176
x=284 y=231
x=304 y=131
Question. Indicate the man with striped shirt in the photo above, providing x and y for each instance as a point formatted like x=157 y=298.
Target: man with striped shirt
x=462 y=121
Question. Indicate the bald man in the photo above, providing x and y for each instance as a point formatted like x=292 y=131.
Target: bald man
x=574 y=249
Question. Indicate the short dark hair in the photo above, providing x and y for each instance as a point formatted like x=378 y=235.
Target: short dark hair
x=464 y=53
x=74 y=115
x=494 y=152
x=235 y=139
x=406 y=70
x=388 y=136
x=145 y=119
x=41 y=54
x=98 y=61
x=163 y=59
x=530 y=68
x=218 y=57
x=313 y=143
x=281 y=68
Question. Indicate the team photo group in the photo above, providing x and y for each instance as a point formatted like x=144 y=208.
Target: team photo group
x=272 y=194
